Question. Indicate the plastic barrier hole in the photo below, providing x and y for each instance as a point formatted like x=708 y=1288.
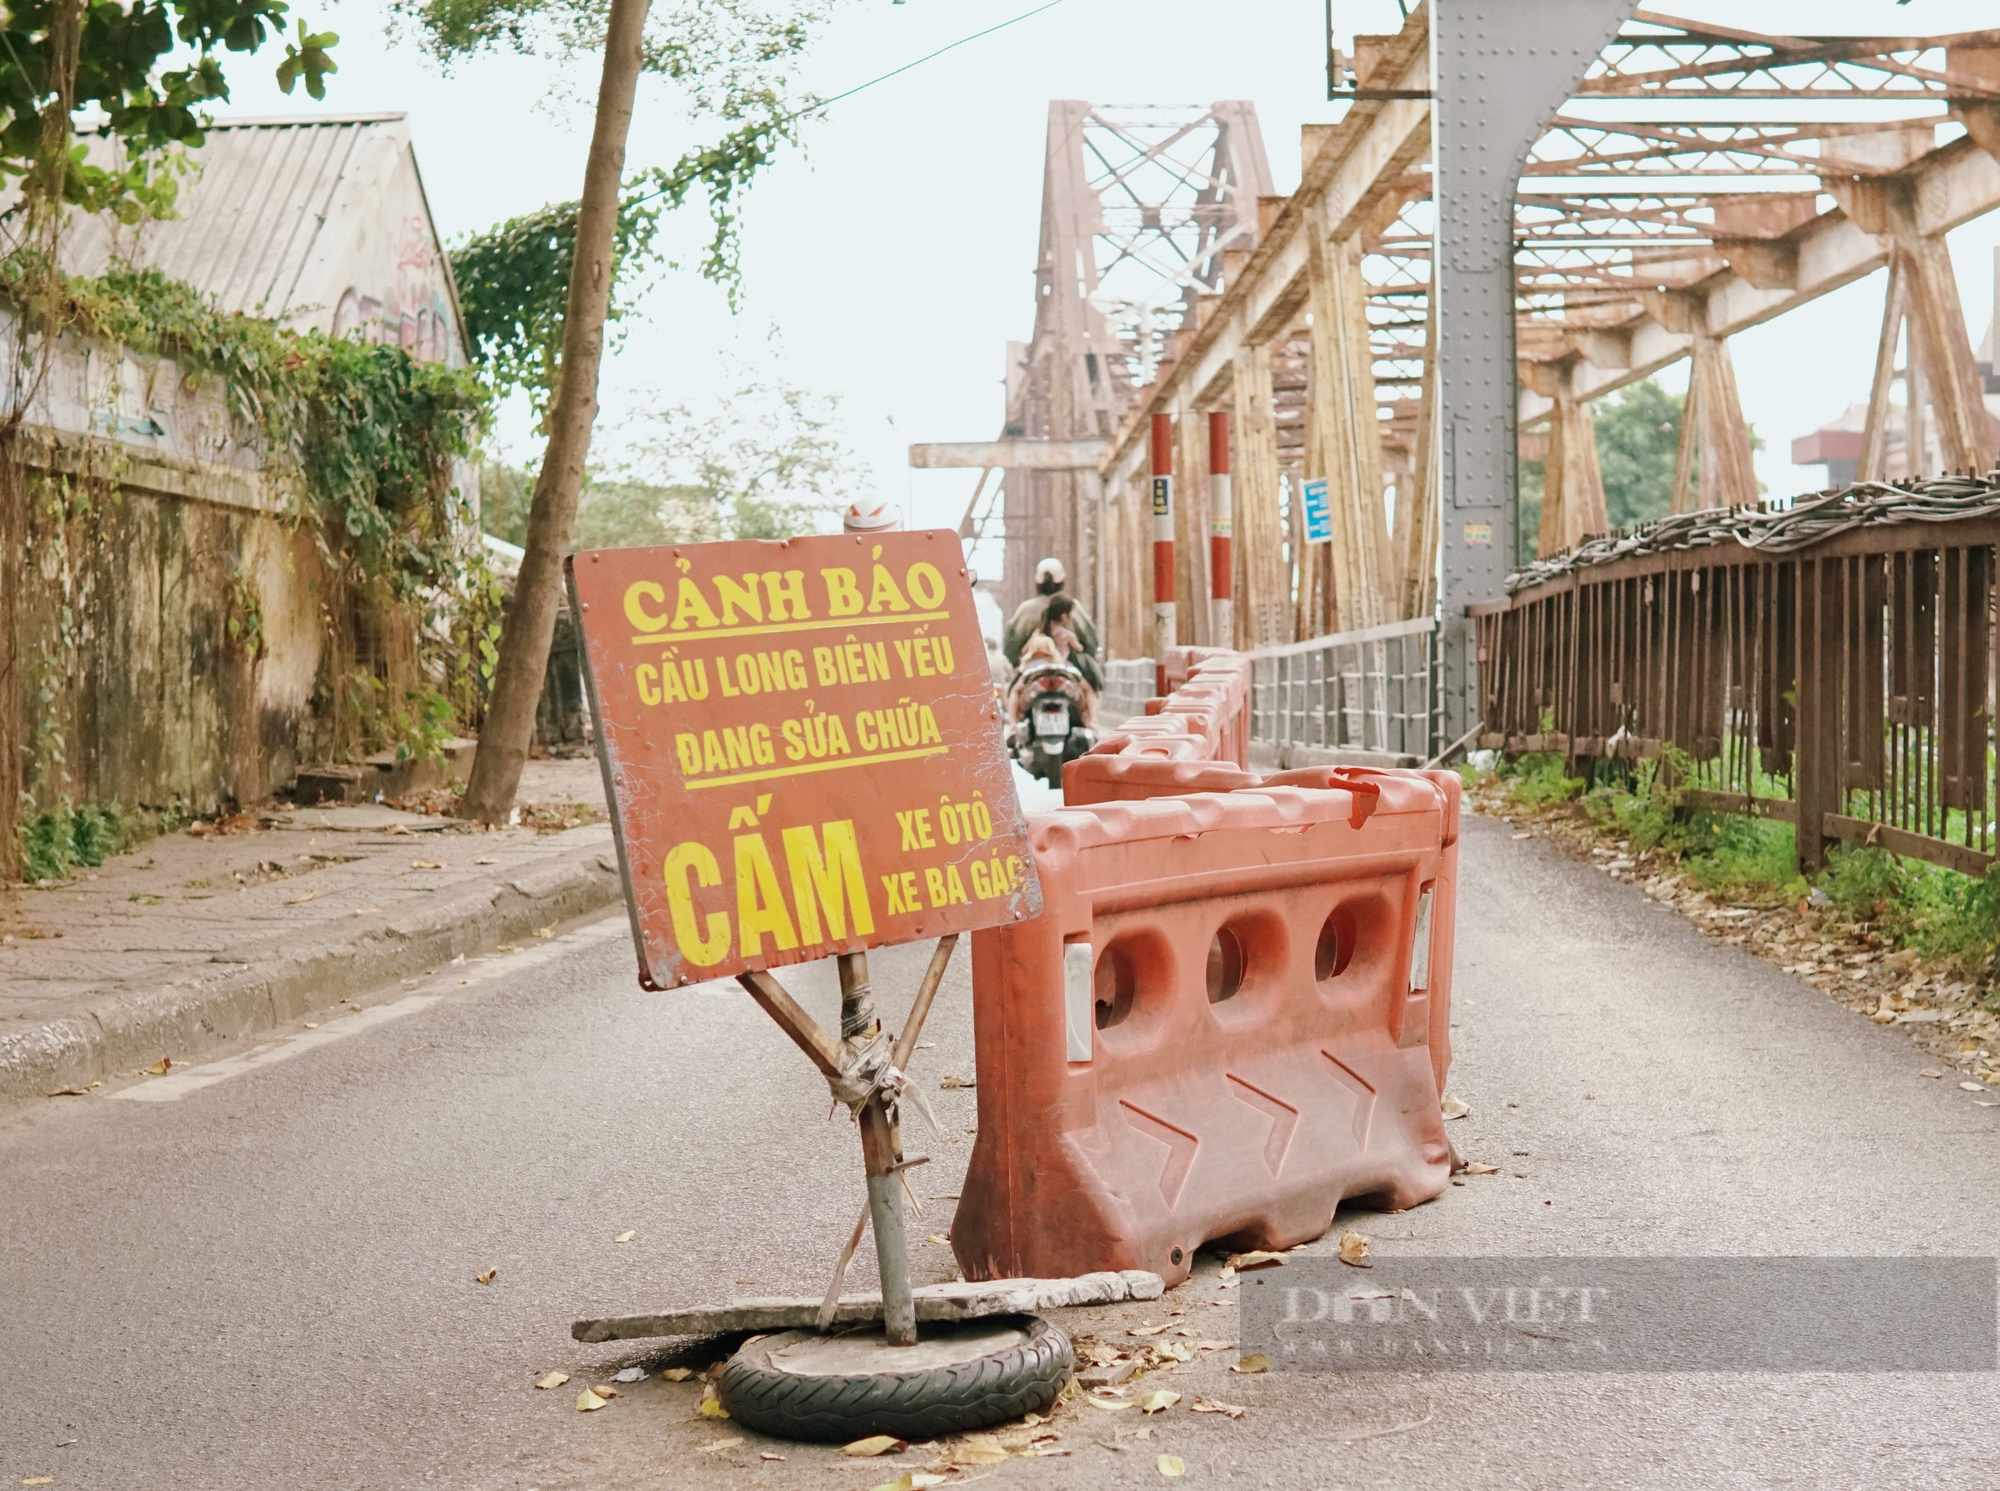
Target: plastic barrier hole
x=1335 y=948
x=1225 y=966
x=1115 y=982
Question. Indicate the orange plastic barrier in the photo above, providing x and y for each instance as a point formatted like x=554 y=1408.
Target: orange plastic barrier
x=1233 y=1012
x=1206 y=716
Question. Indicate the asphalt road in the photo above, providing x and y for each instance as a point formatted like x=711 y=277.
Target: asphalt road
x=268 y=1279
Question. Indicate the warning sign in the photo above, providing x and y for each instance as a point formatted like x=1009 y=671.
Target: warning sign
x=802 y=749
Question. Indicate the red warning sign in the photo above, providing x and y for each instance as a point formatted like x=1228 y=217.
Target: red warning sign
x=802 y=749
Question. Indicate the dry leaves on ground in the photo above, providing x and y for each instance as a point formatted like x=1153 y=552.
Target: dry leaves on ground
x=1216 y=1405
x=486 y=1278
x=1170 y=1465
x=1158 y=1402
x=678 y=1374
x=160 y=1067
x=301 y=900
x=552 y=1380
x=952 y=1082
x=909 y=1480
x=711 y=1405
x=1454 y=1107
x=427 y=864
x=977 y=1449
x=624 y=1237
x=716 y=1447
x=1148 y=1330
x=588 y=1402
x=876 y=1444
x=1256 y=1361
x=1244 y=1262
x=1476 y=1167
x=1354 y=1250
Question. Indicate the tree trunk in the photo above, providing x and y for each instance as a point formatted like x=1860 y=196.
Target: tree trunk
x=531 y=619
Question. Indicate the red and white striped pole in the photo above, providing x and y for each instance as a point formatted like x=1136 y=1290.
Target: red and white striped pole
x=1221 y=531
x=1164 y=636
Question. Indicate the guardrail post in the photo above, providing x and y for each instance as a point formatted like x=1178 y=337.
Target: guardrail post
x=1221 y=534
x=1164 y=633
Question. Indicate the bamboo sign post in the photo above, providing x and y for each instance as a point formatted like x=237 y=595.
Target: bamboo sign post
x=803 y=757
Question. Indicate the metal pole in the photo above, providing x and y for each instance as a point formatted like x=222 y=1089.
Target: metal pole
x=858 y=1026
x=1165 y=636
x=1221 y=533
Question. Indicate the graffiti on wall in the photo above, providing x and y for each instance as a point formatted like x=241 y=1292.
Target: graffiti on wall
x=414 y=309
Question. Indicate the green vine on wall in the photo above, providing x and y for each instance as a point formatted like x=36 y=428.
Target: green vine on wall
x=358 y=443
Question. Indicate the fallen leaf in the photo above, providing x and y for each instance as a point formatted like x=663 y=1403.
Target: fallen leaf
x=711 y=1408
x=1216 y=1405
x=624 y=1237
x=951 y=1082
x=716 y=1447
x=159 y=1068
x=940 y=1239
x=70 y=1092
x=605 y=1390
x=1244 y=1262
x=1148 y=1330
x=1142 y=1433
x=875 y=1444
x=301 y=900
x=486 y=1278
x=554 y=1379
x=630 y=1374
x=911 y=1480
x=678 y=1374
x=546 y=932
x=1475 y=1167
x=1453 y=1106
x=427 y=864
x=1171 y=1465
x=1930 y=1071
x=588 y=1402
x=1971 y=1087
x=1158 y=1402
x=768 y=1455
x=506 y=947
x=1108 y=1406
x=979 y=1449
x=1256 y=1361
x=1354 y=1250
x=1173 y=1351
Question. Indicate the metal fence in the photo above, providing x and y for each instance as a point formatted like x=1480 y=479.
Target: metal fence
x=1128 y=684
x=1845 y=687
x=1361 y=694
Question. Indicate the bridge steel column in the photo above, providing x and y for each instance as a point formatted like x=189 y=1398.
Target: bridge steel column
x=1501 y=70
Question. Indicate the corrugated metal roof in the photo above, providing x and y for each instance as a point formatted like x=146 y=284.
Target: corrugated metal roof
x=265 y=193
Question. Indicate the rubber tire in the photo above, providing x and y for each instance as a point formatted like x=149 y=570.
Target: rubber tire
x=991 y=1389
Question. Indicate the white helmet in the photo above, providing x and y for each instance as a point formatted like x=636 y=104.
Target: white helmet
x=869 y=515
x=1051 y=569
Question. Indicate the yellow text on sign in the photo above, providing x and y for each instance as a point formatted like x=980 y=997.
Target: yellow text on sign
x=823 y=872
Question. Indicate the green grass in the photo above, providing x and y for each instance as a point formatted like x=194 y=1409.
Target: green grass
x=57 y=842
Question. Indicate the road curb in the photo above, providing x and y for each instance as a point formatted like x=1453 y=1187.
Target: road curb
x=181 y=1019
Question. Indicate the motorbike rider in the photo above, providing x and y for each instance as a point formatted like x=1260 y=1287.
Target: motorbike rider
x=1049 y=579
x=1057 y=618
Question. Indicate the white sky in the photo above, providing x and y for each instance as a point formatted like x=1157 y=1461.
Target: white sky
x=893 y=259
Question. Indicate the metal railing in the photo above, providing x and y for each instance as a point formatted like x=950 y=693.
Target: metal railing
x=1128 y=684
x=1370 y=693
x=1845 y=686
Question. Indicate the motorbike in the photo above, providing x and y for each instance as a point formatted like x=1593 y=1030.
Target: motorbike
x=1047 y=728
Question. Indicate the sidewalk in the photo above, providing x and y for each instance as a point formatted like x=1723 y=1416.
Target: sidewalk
x=198 y=937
